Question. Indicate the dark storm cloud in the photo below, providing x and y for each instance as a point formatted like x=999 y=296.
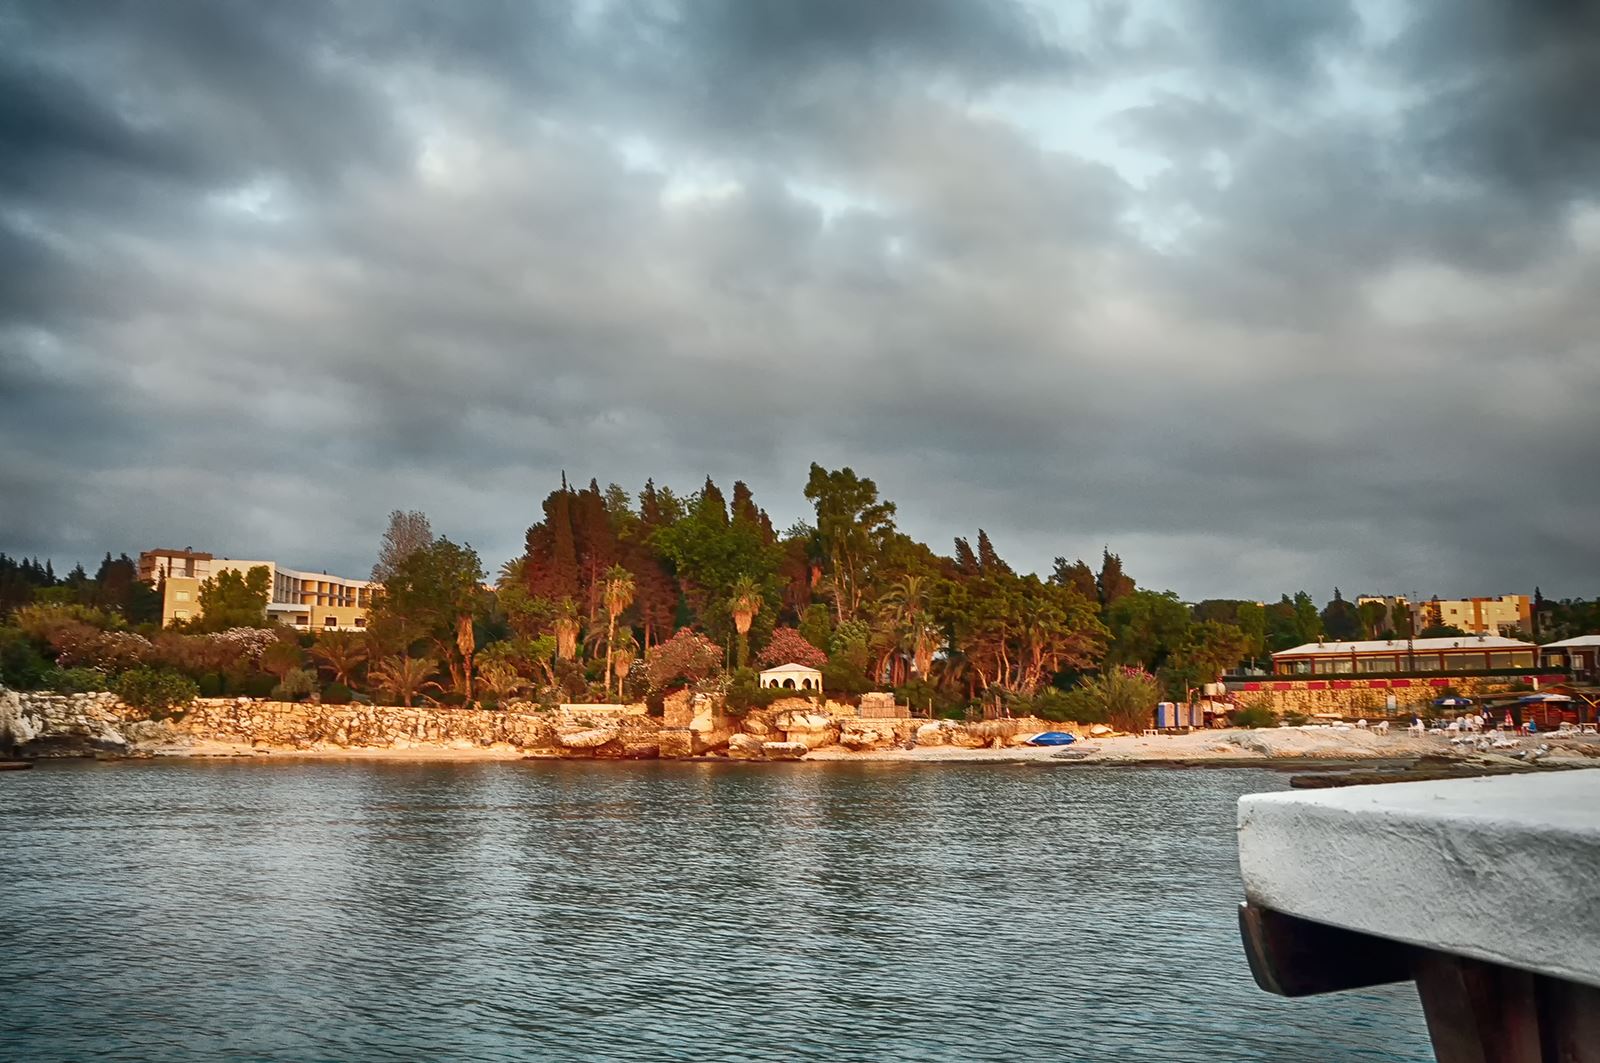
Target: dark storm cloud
x=268 y=271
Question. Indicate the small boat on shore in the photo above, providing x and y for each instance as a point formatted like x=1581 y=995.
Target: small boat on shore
x=14 y=764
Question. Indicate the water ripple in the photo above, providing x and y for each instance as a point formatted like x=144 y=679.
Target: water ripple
x=592 y=911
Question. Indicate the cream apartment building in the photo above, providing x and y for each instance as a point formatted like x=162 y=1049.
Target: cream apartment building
x=308 y=601
x=1503 y=614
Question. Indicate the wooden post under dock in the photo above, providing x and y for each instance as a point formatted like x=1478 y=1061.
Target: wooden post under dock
x=1485 y=892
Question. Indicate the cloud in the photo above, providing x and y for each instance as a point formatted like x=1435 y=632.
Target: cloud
x=1263 y=298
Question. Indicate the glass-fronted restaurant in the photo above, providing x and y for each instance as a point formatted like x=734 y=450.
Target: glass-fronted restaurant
x=1455 y=655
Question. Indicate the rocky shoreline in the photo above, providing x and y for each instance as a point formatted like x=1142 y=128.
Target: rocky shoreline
x=695 y=727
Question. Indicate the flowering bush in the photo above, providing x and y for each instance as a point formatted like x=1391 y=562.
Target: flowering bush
x=788 y=646
x=687 y=656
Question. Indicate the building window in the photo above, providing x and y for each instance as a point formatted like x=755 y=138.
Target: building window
x=1333 y=666
x=1426 y=662
x=1464 y=662
x=180 y=614
x=181 y=596
x=330 y=621
x=300 y=619
x=361 y=621
x=1375 y=664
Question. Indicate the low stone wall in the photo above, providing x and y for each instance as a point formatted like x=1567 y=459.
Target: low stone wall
x=1354 y=696
x=44 y=724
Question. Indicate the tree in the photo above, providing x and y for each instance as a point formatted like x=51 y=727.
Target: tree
x=852 y=524
x=1307 y=621
x=408 y=532
x=687 y=656
x=744 y=602
x=435 y=592
x=989 y=560
x=907 y=608
x=281 y=658
x=567 y=626
x=1078 y=576
x=626 y=652
x=788 y=646
x=1208 y=649
x=1146 y=628
x=1441 y=631
x=341 y=652
x=1113 y=583
x=1340 y=620
x=1374 y=617
x=404 y=677
x=231 y=599
x=618 y=596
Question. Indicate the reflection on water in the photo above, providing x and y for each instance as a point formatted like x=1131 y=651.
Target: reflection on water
x=661 y=911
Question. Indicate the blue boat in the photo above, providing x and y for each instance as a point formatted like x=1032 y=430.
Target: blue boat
x=1052 y=738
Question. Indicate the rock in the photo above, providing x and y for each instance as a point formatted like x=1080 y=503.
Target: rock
x=675 y=743
x=814 y=729
x=932 y=734
x=746 y=747
x=641 y=747
x=785 y=750
x=591 y=738
x=859 y=735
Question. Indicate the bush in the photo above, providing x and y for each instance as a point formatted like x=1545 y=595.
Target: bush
x=212 y=685
x=745 y=692
x=296 y=684
x=336 y=694
x=160 y=692
x=257 y=685
x=74 y=680
x=1295 y=719
x=1254 y=716
x=22 y=666
x=1125 y=698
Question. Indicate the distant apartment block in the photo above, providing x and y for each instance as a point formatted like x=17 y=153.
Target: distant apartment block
x=309 y=601
x=1503 y=614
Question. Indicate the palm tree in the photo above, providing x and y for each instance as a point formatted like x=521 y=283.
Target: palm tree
x=513 y=574
x=626 y=650
x=402 y=676
x=906 y=603
x=499 y=677
x=618 y=595
x=566 y=628
x=466 y=643
x=744 y=602
x=342 y=652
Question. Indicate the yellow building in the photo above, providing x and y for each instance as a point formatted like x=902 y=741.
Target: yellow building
x=1503 y=614
x=307 y=601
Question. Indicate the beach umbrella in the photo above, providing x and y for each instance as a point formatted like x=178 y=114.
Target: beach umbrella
x=1452 y=702
x=1544 y=701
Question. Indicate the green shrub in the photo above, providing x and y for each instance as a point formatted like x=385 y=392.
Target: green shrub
x=1295 y=719
x=22 y=666
x=336 y=694
x=211 y=685
x=296 y=684
x=257 y=685
x=160 y=692
x=74 y=680
x=1254 y=716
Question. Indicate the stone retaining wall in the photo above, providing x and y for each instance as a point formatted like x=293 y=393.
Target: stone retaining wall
x=45 y=724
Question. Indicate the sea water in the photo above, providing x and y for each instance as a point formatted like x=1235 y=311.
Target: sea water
x=558 y=910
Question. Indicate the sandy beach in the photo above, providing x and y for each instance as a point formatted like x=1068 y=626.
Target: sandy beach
x=1289 y=746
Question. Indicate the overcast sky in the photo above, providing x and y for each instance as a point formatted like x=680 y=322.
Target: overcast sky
x=1265 y=295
